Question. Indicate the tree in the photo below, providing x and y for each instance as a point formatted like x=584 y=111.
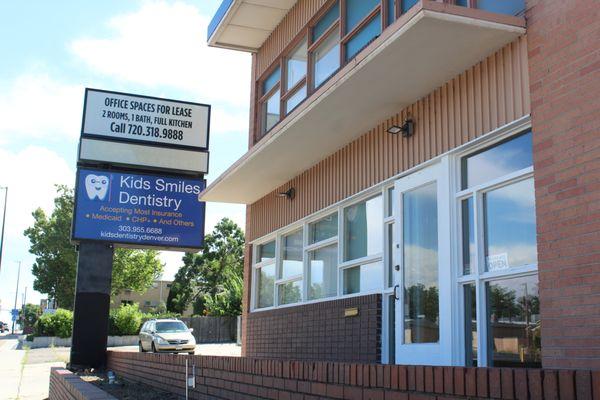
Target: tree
x=212 y=279
x=29 y=316
x=56 y=258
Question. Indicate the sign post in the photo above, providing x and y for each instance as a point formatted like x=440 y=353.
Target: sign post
x=141 y=169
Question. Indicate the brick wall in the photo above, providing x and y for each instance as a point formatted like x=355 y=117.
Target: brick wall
x=318 y=331
x=64 y=385
x=247 y=378
x=564 y=63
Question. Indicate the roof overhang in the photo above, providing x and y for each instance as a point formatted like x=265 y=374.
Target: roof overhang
x=245 y=24
x=428 y=46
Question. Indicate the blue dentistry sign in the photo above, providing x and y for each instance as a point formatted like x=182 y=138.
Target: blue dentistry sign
x=139 y=210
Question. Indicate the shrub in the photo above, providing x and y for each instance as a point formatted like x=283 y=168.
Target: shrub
x=58 y=324
x=125 y=320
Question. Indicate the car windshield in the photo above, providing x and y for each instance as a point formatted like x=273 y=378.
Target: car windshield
x=171 y=326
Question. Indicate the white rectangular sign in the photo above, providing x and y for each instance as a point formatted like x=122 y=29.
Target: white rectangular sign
x=141 y=156
x=133 y=118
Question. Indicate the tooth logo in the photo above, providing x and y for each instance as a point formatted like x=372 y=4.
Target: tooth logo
x=96 y=186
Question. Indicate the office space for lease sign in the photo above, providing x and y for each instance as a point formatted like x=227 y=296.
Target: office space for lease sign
x=150 y=120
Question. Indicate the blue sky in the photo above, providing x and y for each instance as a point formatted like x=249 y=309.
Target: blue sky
x=52 y=50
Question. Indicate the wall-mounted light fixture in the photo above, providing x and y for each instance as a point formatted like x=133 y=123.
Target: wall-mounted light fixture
x=407 y=129
x=289 y=194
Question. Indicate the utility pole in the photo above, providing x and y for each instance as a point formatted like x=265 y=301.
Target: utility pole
x=3 y=222
x=16 y=294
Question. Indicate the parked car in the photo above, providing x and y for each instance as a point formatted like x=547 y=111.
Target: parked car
x=167 y=336
x=3 y=327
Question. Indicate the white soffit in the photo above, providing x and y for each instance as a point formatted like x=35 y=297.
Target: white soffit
x=425 y=52
x=248 y=23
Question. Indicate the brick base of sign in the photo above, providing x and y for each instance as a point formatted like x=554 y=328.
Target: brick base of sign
x=318 y=331
x=248 y=378
x=64 y=385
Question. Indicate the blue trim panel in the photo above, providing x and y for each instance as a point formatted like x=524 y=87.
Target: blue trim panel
x=218 y=17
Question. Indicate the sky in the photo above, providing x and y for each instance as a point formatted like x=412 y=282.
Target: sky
x=51 y=51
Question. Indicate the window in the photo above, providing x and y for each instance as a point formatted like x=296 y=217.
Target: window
x=421 y=289
x=509 y=7
x=326 y=22
x=514 y=322
x=322 y=273
x=327 y=59
x=363 y=227
x=265 y=274
x=391 y=11
x=289 y=285
x=292 y=255
x=363 y=37
x=363 y=277
x=303 y=264
x=509 y=215
x=499 y=160
x=407 y=5
x=266 y=252
x=266 y=280
x=357 y=10
x=323 y=229
x=270 y=101
x=363 y=246
x=296 y=65
x=294 y=100
x=499 y=255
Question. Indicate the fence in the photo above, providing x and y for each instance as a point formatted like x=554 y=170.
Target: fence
x=213 y=329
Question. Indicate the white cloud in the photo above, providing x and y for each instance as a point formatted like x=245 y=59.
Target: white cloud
x=164 y=44
x=37 y=106
x=30 y=176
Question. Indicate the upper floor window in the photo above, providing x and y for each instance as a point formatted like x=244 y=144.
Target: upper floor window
x=332 y=39
x=270 y=102
x=296 y=71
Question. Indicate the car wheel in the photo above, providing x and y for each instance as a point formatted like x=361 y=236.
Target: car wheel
x=141 y=348
x=191 y=353
x=153 y=348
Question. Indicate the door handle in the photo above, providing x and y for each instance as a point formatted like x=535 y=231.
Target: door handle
x=395 y=295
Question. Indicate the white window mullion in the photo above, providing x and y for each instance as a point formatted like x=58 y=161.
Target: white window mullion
x=341 y=247
x=305 y=263
x=278 y=268
x=482 y=325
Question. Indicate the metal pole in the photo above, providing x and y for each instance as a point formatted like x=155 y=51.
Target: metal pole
x=16 y=294
x=3 y=223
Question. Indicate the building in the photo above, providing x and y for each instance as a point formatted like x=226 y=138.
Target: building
x=422 y=180
x=148 y=301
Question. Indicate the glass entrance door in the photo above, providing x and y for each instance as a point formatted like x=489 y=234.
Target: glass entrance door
x=422 y=268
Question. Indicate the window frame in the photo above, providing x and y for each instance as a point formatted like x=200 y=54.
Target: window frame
x=478 y=275
x=378 y=190
x=306 y=33
x=386 y=290
x=256 y=266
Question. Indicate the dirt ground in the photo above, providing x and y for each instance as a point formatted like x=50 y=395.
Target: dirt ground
x=126 y=390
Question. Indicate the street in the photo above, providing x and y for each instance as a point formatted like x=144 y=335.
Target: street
x=25 y=373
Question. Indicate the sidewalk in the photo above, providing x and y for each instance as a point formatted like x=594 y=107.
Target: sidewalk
x=25 y=374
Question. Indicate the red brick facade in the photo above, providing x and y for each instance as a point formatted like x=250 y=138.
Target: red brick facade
x=247 y=378
x=64 y=385
x=318 y=331
x=564 y=63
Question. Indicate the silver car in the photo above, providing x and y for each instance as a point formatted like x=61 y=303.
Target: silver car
x=166 y=335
